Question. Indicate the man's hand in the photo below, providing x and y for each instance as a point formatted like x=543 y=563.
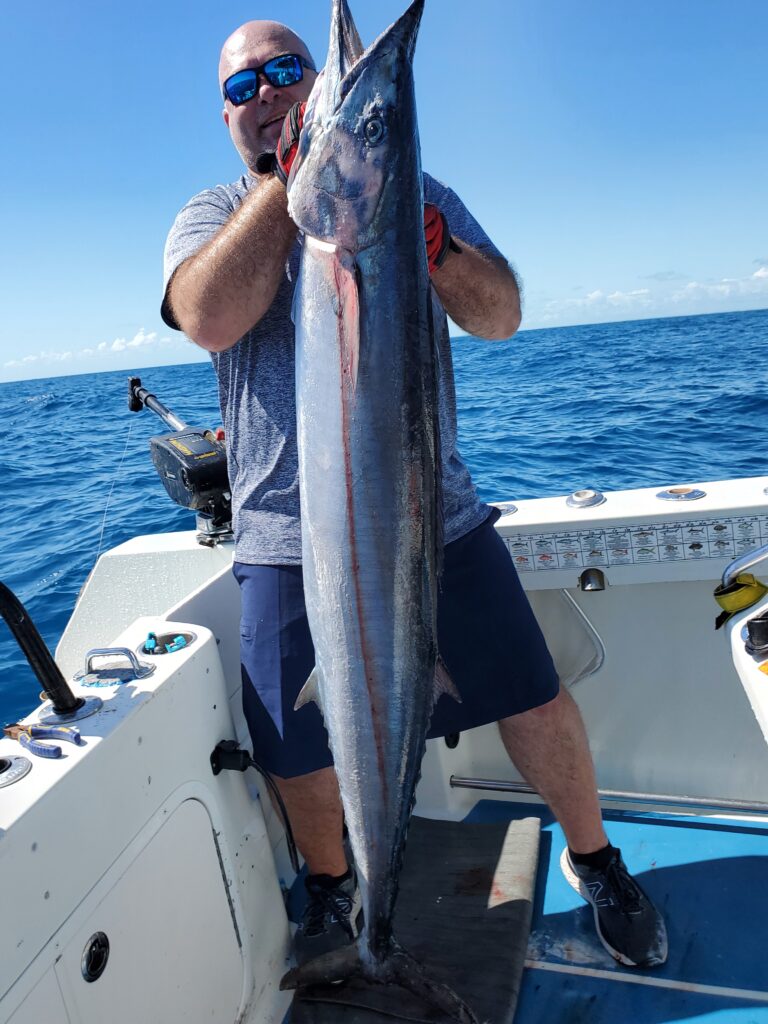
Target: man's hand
x=437 y=235
x=478 y=292
x=288 y=146
x=281 y=161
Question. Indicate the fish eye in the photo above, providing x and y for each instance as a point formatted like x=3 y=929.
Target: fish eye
x=374 y=130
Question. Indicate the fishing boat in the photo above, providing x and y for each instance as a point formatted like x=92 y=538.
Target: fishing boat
x=144 y=882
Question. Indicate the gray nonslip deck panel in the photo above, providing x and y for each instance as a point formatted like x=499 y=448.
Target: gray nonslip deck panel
x=464 y=911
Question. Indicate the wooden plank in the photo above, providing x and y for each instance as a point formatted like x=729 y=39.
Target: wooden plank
x=464 y=911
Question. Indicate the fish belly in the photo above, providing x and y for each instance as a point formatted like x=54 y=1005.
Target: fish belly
x=367 y=481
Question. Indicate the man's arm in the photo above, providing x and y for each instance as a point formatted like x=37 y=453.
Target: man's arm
x=218 y=294
x=479 y=293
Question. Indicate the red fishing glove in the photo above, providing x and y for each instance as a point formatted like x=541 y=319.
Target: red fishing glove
x=288 y=145
x=438 y=236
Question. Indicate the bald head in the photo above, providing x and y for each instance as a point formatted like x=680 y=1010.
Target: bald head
x=255 y=37
x=255 y=125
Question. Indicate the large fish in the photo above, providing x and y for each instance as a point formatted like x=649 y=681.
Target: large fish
x=369 y=463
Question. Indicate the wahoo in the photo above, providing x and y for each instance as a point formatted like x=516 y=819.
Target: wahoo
x=368 y=438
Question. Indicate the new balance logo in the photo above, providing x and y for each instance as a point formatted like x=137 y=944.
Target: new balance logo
x=595 y=890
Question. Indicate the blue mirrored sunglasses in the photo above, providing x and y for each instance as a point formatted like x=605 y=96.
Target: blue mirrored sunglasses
x=287 y=69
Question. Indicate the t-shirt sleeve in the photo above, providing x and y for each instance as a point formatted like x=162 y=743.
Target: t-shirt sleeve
x=196 y=224
x=461 y=222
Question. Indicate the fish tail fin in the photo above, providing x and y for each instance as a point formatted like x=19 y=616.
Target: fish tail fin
x=407 y=972
x=398 y=967
x=338 y=965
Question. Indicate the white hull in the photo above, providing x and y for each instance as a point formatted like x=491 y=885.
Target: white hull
x=132 y=834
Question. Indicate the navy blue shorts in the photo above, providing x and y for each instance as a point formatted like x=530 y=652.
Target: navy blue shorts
x=487 y=636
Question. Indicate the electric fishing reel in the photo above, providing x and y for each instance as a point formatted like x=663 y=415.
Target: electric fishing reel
x=192 y=466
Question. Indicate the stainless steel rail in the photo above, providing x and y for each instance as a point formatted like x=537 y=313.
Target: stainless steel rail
x=742 y=563
x=619 y=796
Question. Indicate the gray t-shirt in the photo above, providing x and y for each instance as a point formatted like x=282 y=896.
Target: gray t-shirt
x=257 y=391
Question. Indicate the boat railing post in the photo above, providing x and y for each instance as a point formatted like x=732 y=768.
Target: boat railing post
x=742 y=563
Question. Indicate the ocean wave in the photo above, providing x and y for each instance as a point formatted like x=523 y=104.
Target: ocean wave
x=654 y=402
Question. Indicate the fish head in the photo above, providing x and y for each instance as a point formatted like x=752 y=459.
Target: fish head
x=360 y=141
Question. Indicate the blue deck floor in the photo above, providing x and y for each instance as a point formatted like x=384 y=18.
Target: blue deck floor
x=710 y=879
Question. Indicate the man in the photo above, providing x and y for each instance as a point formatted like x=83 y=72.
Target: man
x=230 y=266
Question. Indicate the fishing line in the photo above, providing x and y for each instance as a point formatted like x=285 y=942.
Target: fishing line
x=227 y=756
x=283 y=811
x=114 y=481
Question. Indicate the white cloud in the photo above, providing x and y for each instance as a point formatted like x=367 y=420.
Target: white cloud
x=108 y=354
x=40 y=357
x=142 y=339
x=725 y=288
x=139 y=339
x=666 y=297
x=638 y=297
x=596 y=303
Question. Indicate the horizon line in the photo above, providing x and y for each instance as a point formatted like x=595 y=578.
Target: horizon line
x=453 y=337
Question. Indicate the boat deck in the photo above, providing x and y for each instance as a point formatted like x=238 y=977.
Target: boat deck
x=710 y=878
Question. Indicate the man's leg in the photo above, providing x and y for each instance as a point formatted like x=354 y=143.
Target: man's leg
x=277 y=656
x=548 y=746
x=497 y=656
x=317 y=820
x=332 y=915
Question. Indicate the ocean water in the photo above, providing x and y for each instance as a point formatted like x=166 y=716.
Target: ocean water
x=634 y=404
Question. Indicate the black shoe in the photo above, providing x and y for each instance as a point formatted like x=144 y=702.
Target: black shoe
x=332 y=917
x=627 y=923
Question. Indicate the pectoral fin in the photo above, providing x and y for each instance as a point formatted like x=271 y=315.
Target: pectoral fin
x=444 y=683
x=310 y=691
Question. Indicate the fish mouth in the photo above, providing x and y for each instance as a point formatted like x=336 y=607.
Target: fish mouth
x=330 y=247
x=345 y=235
x=320 y=244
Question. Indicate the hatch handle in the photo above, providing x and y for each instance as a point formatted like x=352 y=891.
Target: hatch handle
x=138 y=668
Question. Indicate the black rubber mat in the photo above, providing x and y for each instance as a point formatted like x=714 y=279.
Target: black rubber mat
x=464 y=911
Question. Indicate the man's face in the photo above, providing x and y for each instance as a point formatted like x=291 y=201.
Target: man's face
x=255 y=126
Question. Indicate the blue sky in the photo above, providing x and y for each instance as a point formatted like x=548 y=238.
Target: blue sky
x=616 y=152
